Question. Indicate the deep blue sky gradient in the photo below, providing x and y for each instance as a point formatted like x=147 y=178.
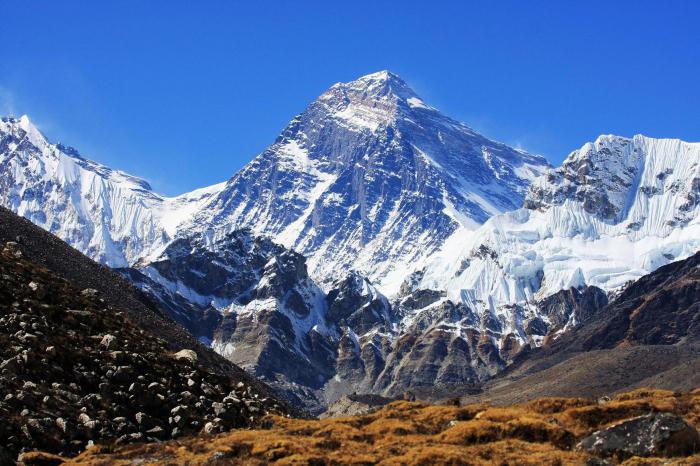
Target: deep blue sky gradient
x=184 y=93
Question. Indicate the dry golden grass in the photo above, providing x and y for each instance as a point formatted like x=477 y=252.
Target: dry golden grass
x=540 y=432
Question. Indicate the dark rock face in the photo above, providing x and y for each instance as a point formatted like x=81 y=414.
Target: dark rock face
x=662 y=308
x=228 y=269
x=73 y=370
x=442 y=347
x=599 y=176
x=254 y=302
x=198 y=320
x=238 y=269
x=571 y=307
x=429 y=351
x=658 y=434
x=353 y=302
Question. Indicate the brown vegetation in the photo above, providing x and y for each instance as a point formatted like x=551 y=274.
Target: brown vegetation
x=540 y=432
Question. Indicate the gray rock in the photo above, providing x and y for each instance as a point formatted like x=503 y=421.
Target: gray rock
x=657 y=434
x=144 y=421
x=123 y=374
x=155 y=387
x=89 y=292
x=209 y=428
x=186 y=355
x=109 y=342
x=157 y=432
x=219 y=409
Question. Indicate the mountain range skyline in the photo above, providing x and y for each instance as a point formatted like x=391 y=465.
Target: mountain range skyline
x=368 y=232
x=375 y=220
x=551 y=158
x=178 y=96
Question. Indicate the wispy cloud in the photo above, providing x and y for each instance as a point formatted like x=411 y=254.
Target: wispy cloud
x=8 y=104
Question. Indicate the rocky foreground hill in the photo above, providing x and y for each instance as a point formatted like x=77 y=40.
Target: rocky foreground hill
x=76 y=369
x=644 y=427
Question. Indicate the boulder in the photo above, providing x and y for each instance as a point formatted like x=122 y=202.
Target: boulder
x=186 y=355
x=109 y=342
x=145 y=421
x=656 y=434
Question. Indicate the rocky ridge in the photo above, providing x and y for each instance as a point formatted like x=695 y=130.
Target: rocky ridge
x=75 y=370
x=255 y=303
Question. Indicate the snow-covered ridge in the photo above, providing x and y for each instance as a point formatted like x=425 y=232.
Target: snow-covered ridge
x=111 y=216
x=617 y=209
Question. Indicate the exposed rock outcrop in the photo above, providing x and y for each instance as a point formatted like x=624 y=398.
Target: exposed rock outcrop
x=657 y=434
x=649 y=335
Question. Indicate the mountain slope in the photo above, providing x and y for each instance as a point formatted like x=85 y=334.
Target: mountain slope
x=436 y=335
x=110 y=216
x=370 y=177
x=76 y=369
x=253 y=301
x=49 y=252
x=648 y=336
x=614 y=211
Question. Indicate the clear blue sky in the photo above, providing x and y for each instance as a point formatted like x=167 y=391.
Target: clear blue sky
x=184 y=93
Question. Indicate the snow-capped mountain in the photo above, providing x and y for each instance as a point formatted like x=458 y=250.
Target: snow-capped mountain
x=370 y=177
x=617 y=209
x=377 y=246
x=110 y=216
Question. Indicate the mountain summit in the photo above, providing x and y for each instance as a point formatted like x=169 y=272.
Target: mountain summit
x=369 y=177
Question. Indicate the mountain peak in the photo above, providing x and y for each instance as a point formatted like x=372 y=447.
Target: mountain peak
x=379 y=85
x=24 y=124
x=381 y=76
x=24 y=120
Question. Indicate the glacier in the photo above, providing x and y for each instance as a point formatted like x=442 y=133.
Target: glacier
x=617 y=209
